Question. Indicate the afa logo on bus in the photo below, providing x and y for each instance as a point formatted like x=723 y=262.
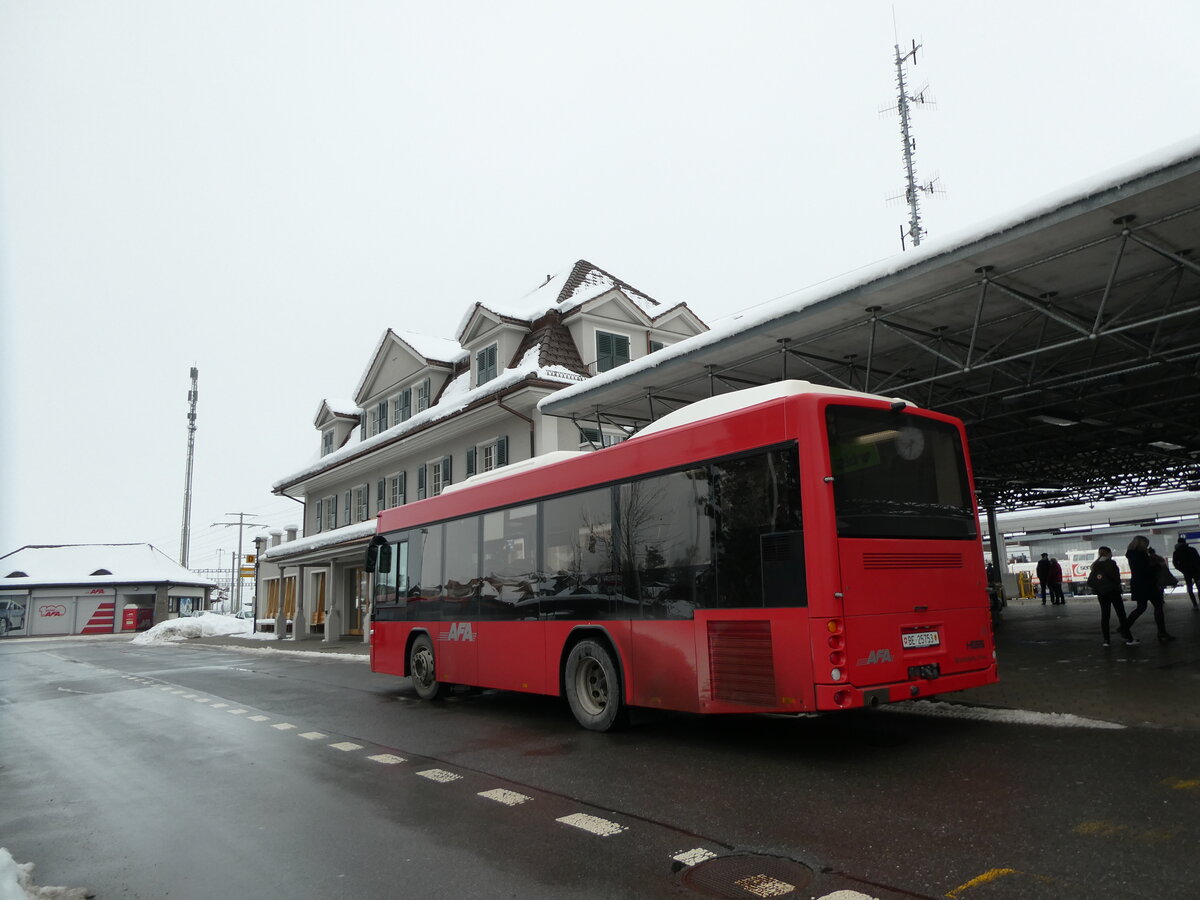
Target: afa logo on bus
x=459 y=631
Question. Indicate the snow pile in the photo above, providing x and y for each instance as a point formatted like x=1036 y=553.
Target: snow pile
x=206 y=625
x=16 y=883
x=993 y=714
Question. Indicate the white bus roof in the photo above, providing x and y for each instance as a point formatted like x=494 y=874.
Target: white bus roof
x=711 y=407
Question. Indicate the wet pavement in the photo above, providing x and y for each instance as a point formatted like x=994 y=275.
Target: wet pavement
x=1051 y=661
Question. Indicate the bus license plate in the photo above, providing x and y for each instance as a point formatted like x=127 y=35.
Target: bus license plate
x=919 y=639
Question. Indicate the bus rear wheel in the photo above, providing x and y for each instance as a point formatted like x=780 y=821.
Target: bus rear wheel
x=593 y=687
x=422 y=671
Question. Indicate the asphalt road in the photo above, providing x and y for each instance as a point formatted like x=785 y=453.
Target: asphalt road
x=202 y=772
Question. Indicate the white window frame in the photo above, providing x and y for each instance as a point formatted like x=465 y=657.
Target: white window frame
x=397 y=488
x=331 y=510
x=424 y=394
x=362 y=499
x=326 y=441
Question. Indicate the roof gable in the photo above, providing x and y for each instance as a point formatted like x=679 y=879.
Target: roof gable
x=399 y=356
x=331 y=411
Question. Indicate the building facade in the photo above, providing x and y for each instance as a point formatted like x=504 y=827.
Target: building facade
x=429 y=412
x=94 y=589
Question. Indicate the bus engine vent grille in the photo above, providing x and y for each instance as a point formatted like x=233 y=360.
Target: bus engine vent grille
x=742 y=662
x=912 y=561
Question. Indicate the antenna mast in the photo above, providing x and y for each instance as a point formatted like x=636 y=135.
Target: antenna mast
x=912 y=189
x=185 y=538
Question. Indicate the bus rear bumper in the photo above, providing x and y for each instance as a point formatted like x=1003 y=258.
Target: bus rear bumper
x=846 y=696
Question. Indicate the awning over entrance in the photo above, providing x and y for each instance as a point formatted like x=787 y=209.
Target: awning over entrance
x=1067 y=338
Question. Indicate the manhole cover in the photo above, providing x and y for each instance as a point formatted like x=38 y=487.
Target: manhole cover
x=745 y=876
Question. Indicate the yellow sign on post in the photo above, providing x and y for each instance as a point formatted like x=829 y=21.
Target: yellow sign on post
x=247 y=571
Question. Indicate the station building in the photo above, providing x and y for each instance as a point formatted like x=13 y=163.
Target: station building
x=428 y=412
x=94 y=589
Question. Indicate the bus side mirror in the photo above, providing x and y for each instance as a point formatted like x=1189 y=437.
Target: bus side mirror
x=373 y=553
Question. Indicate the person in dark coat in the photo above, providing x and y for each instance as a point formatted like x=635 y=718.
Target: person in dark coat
x=1043 y=575
x=1105 y=580
x=1056 y=580
x=1186 y=561
x=1144 y=589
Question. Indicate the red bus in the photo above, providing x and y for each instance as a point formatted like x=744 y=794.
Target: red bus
x=788 y=549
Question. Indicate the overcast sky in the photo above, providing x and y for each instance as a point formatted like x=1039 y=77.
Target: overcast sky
x=259 y=189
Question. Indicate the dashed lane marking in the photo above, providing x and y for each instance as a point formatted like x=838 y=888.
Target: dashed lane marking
x=313 y=735
x=593 y=824
x=346 y=746
x=388 y=759
x=259 y=718
x=693 y=857
x=284 y=726
x=439 y=775
x=508 y=798
x=219 y=705
x=202 y=700
x=238 y=712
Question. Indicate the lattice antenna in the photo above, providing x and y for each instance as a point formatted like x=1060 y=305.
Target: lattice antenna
x=185 y=537
x=906 y=101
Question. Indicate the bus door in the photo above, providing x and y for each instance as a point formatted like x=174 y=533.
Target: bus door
x=914 y=590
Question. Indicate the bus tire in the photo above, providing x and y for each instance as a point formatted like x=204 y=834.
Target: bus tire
x=593 y=686
x=422 y=669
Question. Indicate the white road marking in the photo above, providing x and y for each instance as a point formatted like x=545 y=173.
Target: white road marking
x=594 y=824
x=202 y=700
x=260 y=718
x=238 y=712
x=219 y=705
x=188 y=696
x=313 y=735
x=346 y=746
x=439 y=775
x=847 y=895
x=693 y=857
x=388 y=759
x=284 y=726
x=508 y=798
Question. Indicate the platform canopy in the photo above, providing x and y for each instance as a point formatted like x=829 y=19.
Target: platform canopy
x=1066 y=335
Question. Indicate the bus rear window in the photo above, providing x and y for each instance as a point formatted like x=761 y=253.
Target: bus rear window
x=898 y=475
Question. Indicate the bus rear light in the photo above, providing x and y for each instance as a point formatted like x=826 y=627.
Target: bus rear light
x=834 y=626
x=836 y=674
x=841 y=698
x=837 y=658
x=835 y=642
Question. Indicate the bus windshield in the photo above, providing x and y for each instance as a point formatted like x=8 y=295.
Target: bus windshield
x=898 y=475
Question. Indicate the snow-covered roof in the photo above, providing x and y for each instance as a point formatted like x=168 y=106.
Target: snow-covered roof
x=94 y=564
x=719 y=405
x=457 y=396
x=566 y=291
x=778 y=311
x=342 y=407
x=320 y=541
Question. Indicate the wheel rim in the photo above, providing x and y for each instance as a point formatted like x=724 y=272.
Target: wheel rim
x=591 y=686
x=422 y=666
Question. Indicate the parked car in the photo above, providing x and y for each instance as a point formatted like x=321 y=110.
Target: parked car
x=12 y=616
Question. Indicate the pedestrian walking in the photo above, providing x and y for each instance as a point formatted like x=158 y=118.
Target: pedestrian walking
x=1105 y=580
x=1043 y=575
x=1144 y=589
x=1186 y=561
x=1056 y=580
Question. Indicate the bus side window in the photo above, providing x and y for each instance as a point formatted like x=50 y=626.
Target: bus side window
x=760 y=544
x=666 y=545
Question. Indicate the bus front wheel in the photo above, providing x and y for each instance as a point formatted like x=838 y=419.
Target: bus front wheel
x=421 y=669
x=593 y=686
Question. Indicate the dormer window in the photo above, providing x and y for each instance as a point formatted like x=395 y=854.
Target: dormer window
x=378 y=419
x=423 y=395
x=402 y=406
x=326 y=441
x=485 y=364
x=612 y=350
